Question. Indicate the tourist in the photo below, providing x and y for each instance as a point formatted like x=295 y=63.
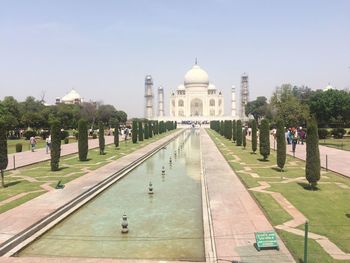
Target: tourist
x=126 y=132
x=294 y=137
x=249 y=131
x=32 y=143
x=48 y=144
x=301 y=135
x=286 y=135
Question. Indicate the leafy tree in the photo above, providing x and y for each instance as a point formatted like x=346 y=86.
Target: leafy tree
x=254 y=136
x=116 y=134
x=239 y=133
x=122 y=116
x=281 y=145
x=234 y=130
x=55 y=145
x=88 y=112
x=134 y=131
x=258 y=108
x=313 y=165
x=3 y=152
x=105 y=113
x=83 y=145
x=331 y=108
x=140 y=131
x=264 y=139
x=101 y=137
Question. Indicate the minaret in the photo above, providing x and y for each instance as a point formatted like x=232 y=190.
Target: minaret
x=233 y=102
x=160 y=101
x=148 y=97
x=244 y=94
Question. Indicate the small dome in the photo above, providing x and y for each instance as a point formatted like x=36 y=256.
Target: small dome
x=160 y=88
x=181 y=87
x=71 y=96
x=328 y=87
x=196 y=75
x=211 y=86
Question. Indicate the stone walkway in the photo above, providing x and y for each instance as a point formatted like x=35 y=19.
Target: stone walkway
x=235 y=215
x=29 y=157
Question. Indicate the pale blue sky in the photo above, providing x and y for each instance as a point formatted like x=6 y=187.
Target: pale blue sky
x=104 y=49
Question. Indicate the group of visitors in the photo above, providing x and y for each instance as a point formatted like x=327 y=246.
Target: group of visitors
x=295 y=136
x=33 y=142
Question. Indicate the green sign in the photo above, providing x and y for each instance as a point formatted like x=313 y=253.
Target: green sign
x=266 y=239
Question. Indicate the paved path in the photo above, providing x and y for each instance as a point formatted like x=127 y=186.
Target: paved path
x=20 y=218
x=235 y=215
x=29 y=157
x=338 y=160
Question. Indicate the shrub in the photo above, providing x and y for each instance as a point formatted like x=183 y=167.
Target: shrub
x=28 y=134
x=338 y=133
x=76 y=135
x=66 y=140
x=254 y=137
x=64 y=134
x=264 y=139
x=101 y=138
x=313 y=165
x=83 y=140
x=281 y=145
x=94 y=136
x=323 y=133
x=55 y=145
x=19 y=147
x=44 y=134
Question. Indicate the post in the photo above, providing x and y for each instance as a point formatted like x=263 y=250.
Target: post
x=305 y=241
x=14 y=162
x=326 y=162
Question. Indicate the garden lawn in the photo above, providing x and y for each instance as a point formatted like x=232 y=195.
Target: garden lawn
x=31 y=181
x=327 y=209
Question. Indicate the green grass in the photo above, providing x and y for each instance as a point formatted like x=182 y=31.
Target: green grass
x=326 y=208
x=29 y=178
x=341 y=144
x=11 y=144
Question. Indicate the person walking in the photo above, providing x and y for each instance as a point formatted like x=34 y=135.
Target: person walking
x=294 y=137
x=48 y=144
x=126 y=132
x=32 y=143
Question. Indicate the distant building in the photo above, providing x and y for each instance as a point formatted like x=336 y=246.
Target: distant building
x=71 y=97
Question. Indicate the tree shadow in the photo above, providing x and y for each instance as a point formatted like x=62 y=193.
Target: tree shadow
x=308 y=187
x=263 y=160
x=87 y=160
x=12 y=183
x=277 y=169
x=347 y=215
x=253 y=153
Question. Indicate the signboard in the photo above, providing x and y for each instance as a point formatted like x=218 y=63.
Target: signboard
x=266 y=239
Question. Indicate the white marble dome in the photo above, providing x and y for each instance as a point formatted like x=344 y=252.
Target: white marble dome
x=181 y=87
x=196 y=75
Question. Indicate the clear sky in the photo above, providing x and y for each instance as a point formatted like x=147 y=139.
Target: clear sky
x=104 y=48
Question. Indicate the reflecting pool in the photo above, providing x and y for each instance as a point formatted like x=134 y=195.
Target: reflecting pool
x=167 y=225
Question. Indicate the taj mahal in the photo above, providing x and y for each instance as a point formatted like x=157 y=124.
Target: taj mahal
x=197 y=99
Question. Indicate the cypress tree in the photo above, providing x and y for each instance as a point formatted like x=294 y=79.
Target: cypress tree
x=229 y=130
x=150 y=129
x=264 y=139
x=313 y=165
x=55 y=145
x=244 y=138
x=239 y=133
x=116 y=134
x=83 y=145
x=140 y=131
x=3 y=152
x=134 y=132
x=146 y=130
x=222 y=128
x=281 y=145
x=101 y=138
x=175 y=125
x=234 y=130
x=254 y=137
